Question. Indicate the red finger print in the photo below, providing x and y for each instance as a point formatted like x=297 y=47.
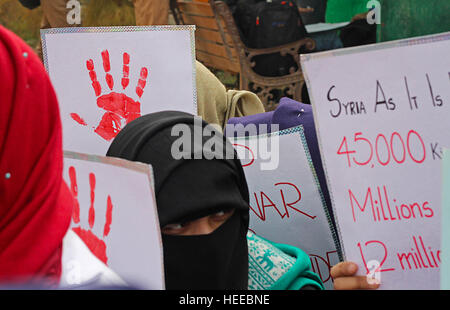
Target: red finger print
x=93 y=76
x=106 y=62
x=78 y=119
x=126 y=70
x=109 y=209
x=74 y=190
x=142 y=82
x=91 y=208
x=107 y=67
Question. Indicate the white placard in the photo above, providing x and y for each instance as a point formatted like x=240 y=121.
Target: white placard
x=382 y=116
x=445 y=222
x=117 y=216
x=106 y=77
x=287 y=205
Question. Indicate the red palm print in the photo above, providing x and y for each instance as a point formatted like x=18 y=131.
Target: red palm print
x=119 y=107
x=94 y=243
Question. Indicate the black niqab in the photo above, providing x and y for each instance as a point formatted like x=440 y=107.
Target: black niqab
x=188 y=189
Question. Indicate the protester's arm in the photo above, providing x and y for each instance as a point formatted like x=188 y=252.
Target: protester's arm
x=359 y=16
x=344 y=276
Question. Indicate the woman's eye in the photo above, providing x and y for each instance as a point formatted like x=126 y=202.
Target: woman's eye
x=173 y=227
x=221 y=213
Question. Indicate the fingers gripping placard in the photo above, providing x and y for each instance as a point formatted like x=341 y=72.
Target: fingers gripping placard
x=381 y=115
x=107 y=77
x=115 y=215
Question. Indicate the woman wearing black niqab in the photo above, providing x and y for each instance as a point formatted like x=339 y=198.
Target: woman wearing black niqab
x=188 y=190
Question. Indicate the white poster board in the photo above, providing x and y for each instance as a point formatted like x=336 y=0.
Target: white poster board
x=105 y=77
x=445 y=222
x=382 y=116
x=115 y=215
x=286 y=202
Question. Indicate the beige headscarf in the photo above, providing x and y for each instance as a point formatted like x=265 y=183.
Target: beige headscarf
x=216 y=105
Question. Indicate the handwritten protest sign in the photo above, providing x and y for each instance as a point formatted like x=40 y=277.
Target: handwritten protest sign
x=286 y=202
x=115 y=215
x=107 y=77
x=381 y=113
x=445 y=235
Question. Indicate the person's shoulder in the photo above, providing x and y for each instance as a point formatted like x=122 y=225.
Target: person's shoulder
x=82 y=269
x=267 y=262
x=288 y=252
x=275 y=266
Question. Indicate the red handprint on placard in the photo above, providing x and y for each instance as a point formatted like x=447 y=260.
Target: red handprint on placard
x=94 y=243
x=120 y=109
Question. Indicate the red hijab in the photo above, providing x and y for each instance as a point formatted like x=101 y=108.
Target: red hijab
x=35 y=203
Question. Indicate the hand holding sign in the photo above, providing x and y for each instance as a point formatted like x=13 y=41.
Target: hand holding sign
x=344 y=278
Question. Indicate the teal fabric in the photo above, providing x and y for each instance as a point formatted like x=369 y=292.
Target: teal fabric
x=275 y=266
